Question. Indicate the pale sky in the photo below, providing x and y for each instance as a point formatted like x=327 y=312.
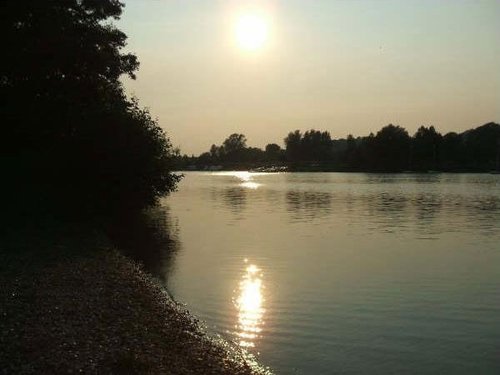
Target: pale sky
x=342 y=66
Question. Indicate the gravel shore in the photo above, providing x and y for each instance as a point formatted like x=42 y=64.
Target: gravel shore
x=103 y=314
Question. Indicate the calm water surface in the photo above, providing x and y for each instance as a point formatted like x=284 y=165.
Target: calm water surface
x=330 y=273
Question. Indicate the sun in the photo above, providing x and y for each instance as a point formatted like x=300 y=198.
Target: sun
x=251 y=31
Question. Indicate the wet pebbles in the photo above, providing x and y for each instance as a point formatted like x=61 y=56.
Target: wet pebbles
x=103 y=314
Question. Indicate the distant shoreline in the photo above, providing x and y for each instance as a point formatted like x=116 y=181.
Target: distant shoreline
x=282 y=169
x=391 y=150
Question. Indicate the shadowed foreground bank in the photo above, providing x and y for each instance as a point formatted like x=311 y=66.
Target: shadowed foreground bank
x=103 y=314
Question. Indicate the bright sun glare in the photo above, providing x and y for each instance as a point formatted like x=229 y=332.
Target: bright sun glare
x=250 y=306
x=251 y=31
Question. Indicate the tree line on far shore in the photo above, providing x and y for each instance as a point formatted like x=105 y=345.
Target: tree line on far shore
x=391 y=149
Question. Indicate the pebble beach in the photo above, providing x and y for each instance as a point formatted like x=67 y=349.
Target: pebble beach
x=103 y=314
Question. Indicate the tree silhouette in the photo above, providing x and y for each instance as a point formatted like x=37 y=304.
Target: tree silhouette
x=273 y=152
x=234 y=143
x=425 y=150
x=233 y=148
x=293 y=150
x=69 y=132
x=482 y=146
x=316 y=146
x=391 y=149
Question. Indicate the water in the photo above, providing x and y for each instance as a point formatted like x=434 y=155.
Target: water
x=331 y=273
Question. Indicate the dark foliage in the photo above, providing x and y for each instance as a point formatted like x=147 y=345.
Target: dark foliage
x=233 y=148
x=71 y=140
x=390 y=150
x=426 y=149
x=274 y=153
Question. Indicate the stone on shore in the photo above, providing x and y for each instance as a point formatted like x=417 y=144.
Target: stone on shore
x=103 y=314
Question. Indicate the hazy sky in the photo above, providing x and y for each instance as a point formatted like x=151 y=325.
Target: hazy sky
x=342 y=66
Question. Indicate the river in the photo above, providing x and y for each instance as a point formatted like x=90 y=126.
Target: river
x=338 y=273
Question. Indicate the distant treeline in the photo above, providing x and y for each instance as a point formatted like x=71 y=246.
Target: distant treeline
x=391 y=149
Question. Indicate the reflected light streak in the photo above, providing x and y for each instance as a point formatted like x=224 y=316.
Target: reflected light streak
x=250 y=185
x=250 y=307
x=245 y=177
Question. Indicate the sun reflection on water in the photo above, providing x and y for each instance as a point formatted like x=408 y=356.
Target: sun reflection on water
x=250 y=185
x=246 y=178
x=250 y=307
